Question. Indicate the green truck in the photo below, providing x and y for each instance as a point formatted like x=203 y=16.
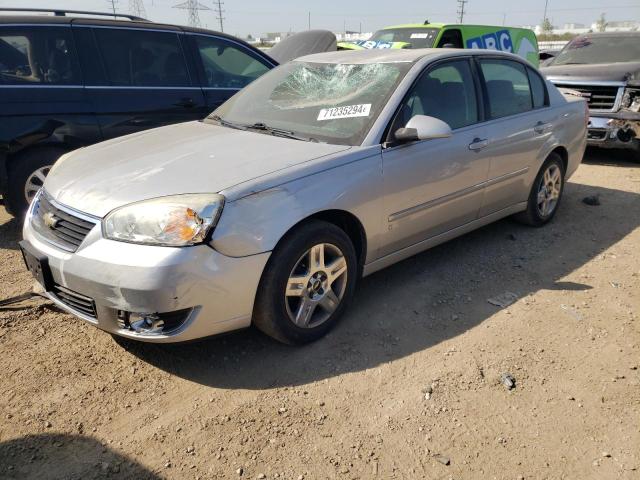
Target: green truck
x=520 y=41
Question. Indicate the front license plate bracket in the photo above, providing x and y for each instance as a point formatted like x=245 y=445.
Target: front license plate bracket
x=38 y=265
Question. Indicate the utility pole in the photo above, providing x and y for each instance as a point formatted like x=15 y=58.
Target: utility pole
x=136 y=7
x=219 y=12
x=461 y=4
x=193 y=6
x=309 y=20
x=544 y=17
x=113 y=4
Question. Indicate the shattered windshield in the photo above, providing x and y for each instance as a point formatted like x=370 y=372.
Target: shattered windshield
x=599 y=49
x=325 y=102
x=413 y=37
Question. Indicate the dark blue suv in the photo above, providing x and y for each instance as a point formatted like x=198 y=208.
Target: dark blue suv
x=67 y=81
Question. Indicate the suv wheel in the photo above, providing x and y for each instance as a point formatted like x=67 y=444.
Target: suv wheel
x=307 y=284
x=27 y=172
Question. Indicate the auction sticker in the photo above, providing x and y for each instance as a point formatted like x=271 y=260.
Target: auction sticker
x=347 y=111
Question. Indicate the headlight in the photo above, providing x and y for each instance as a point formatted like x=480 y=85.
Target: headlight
x=172 y=221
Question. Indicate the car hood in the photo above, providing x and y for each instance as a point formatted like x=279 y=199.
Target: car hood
x=610 y=72
x=192 y=157
x=303 y=43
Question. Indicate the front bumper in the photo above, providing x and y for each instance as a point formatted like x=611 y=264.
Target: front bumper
x=614 y=130
x=217 y=291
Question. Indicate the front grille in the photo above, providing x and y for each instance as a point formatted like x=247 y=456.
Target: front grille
x=74 y=300
x=61 y=227
x=598 y=97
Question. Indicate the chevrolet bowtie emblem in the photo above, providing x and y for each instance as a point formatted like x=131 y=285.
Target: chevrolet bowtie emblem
x=50 y=220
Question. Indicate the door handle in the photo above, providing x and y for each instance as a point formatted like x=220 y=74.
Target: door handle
x=186 y=103
x=541 y=127
x=478 y=144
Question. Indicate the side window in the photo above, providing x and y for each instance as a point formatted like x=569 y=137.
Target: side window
x=507 y=87
x=447 y=92
x=451 y=38
x=142 y=59
x=38 y=55
x=225 y=65
x=538 y=89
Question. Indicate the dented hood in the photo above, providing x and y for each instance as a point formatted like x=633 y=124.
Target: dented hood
x=190 y=157
x=600 y=72
x=303 y=43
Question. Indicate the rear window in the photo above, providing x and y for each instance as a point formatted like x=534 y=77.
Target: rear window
x=507 y=87
x=142 y=59
x=38 y=56
x=538 y=89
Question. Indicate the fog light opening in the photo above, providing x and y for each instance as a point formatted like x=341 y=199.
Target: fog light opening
x=153 y=323
x=626 y=135
x=147 y=323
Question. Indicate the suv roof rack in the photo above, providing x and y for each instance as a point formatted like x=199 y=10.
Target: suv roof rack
x=64 y=12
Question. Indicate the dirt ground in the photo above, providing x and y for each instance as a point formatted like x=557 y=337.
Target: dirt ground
x=74 y=403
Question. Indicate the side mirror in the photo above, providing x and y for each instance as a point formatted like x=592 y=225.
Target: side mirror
x=422 y=127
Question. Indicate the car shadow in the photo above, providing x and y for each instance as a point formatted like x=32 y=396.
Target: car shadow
x=56 y=456
x=420 y=302
x=10 y=233
x=611 y=157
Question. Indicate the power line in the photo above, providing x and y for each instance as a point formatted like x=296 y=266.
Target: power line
x=193 y=7
x=460 y=12
x=136 y=7
x=219 y=12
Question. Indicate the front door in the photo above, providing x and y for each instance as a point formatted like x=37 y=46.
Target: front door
x=433 y=186
x=225 y=67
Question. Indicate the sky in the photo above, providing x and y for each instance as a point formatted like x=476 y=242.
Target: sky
x=256 y=17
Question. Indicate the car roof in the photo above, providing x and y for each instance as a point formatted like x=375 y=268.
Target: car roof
x=390 y=55
x=101 y=21
x=456 y=25
x=377 y=55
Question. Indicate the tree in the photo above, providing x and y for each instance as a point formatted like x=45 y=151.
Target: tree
x=546 y=27
x=601 y=24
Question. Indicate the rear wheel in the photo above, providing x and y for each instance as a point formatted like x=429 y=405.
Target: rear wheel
x=307 y=284
x=27 y=173
x=545 y=194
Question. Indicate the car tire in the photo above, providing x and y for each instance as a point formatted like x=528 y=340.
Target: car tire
x=546 y=193
x=26 y=173
x=307 y=284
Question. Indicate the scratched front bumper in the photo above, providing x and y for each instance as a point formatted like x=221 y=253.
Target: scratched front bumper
x=151 y=279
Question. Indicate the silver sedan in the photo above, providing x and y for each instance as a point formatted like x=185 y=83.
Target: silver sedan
x=326 y=169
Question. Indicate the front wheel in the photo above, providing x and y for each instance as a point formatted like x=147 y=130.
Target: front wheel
x=307 y=284
x=545 y=194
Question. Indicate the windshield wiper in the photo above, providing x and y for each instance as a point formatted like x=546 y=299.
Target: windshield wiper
x=226 y=123
x=278 y=132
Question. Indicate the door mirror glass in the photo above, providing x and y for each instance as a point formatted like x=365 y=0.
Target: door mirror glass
x=422 y=127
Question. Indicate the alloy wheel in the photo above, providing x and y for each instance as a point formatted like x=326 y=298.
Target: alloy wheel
x=34 y=182
x=549 y=190
x=316 y=285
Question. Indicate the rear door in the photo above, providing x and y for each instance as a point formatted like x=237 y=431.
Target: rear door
x=139 y=78
x=42 y=98
x=519 y=125
x=433 y=186
x=225 y=66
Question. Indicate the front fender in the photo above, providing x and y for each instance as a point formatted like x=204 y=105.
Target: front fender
x=255 y=223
